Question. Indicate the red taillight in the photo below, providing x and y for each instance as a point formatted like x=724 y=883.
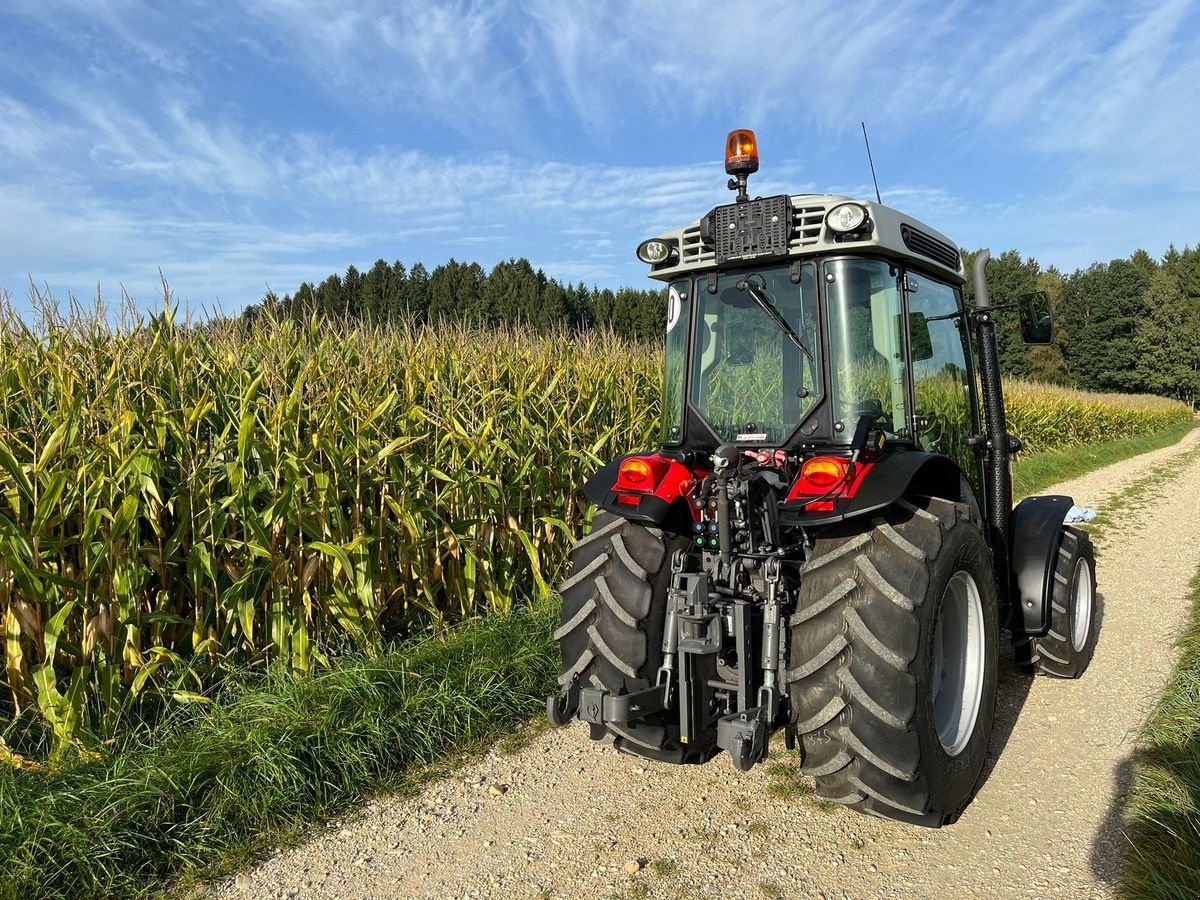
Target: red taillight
x=641 y=473
x=628 y=500
x=823 y=479
x=824 y=471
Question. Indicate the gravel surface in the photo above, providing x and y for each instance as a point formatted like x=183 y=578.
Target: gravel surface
x=567 y=818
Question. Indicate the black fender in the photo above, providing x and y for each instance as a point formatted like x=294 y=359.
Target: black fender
x=1035 y=532
x=899 y=474
x=668 y=515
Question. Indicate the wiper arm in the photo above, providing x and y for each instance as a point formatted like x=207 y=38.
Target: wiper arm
x=769 y=308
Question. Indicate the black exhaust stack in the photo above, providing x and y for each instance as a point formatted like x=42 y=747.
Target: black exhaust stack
x=999 y=486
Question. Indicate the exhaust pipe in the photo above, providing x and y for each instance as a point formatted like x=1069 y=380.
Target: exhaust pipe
x=999 y=487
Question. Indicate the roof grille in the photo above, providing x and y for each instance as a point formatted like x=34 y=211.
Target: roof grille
x=806 y=226
x=926 y=245
x=691 y=248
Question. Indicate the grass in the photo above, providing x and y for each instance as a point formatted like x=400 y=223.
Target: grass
x=1163 y=809
x=1035 y=472
x=215 y=789
x=665 y=868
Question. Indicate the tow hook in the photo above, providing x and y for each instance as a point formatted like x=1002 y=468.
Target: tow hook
x=561 y=709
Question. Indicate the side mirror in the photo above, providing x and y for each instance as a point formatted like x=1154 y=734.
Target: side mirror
x=918 y=329
x=1037 y=323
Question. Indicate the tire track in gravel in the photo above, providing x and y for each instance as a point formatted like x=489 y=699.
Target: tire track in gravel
x=563 y=817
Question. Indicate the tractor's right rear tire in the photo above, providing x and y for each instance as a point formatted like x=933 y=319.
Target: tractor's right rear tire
x=892 y=669
x=1067 y=648
x=614 y=610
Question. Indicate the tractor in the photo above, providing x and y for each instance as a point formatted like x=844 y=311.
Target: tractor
x=825 y=542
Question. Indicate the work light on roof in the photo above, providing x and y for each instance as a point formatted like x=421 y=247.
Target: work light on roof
x=846 y=218
x=654 y=251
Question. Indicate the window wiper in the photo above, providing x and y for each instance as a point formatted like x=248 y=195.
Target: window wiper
x=768 y=307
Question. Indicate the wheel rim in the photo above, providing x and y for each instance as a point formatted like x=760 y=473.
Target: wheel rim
x=958 y=663
x=1081 y=604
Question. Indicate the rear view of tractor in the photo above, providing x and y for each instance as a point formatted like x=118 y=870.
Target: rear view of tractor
x=824 y=542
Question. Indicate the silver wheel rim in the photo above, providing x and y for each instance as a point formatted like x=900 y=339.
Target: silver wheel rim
x=1081 y=604
x=958 y=663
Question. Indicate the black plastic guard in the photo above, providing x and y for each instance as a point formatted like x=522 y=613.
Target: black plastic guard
x=1035 y=533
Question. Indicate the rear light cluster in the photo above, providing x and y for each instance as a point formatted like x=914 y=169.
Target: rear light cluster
x=825 y=479
x=640 y=477
x=820 y=473
x=641 y=473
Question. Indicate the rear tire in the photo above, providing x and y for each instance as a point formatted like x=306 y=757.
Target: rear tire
x=1068 y=647
x=874 y=607
x=614 y=609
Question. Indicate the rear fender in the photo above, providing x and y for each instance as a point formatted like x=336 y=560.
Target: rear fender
x=666 y=507
x=1035 y=533
x=902 y=473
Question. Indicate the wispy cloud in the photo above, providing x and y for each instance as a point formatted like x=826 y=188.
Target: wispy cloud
x=281 y=140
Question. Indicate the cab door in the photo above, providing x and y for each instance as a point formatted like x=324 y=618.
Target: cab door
x=945 y=402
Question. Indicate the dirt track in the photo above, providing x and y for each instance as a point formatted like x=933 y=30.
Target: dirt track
x=563 y=817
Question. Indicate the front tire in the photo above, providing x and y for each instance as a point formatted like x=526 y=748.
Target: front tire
x=1068 y=647
x=892 y=672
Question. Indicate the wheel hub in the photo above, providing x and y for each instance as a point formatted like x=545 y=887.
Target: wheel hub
x=1081 y=604
x=958 y=663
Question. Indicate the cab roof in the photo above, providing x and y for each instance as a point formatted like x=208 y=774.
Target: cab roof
x=892 y=233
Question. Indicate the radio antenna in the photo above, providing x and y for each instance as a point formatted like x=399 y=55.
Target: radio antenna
x=871 y=162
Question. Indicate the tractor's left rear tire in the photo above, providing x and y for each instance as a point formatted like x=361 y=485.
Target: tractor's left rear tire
x=614 y=610
x=1067 y=648
x=892 y=669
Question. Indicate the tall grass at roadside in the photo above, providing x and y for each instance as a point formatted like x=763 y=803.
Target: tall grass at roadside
x=217 y=784
x=1163 y=810
x=1051 y=418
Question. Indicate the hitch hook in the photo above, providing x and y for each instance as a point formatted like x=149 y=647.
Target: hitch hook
x=562 y=709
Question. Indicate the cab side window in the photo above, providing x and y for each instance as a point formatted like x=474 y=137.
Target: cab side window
x=938 y=335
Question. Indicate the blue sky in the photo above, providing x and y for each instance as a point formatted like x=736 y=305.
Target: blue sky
x=234 y=149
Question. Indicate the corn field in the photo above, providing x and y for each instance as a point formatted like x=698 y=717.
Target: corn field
x=177 y=500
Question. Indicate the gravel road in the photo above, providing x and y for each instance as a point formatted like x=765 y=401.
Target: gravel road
x=566 y=818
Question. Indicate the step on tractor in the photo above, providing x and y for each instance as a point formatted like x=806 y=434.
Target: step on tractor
x=825 y=541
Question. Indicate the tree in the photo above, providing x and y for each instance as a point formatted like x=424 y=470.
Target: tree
x=414 y=294
x=372 y=301
x=1009 y=278
x=511 y=292
x=1046 y=363
x=1168 y=340
x=1099 y=313
x=352 y=284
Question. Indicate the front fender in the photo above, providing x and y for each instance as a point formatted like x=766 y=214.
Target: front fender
x=1035 y=531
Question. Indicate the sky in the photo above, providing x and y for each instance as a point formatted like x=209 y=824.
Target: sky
x=235 y=149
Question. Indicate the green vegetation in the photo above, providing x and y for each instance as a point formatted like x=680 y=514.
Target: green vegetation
x=1163 y=810
x=221 y=783
x=511 y=294
x=175 y=501
x=1034 y=472
x=1126 y=325
x=664 y=868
